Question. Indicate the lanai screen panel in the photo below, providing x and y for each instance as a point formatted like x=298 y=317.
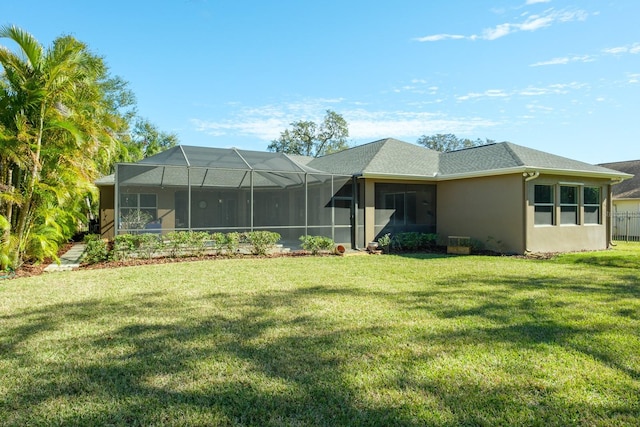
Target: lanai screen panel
x=232 y=190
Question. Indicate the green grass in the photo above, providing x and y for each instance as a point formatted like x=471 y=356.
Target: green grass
x=336 y=341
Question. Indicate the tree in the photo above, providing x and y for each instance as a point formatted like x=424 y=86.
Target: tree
x=450 y=142
x=57 y=130
x=150 y=140
x=310 y=139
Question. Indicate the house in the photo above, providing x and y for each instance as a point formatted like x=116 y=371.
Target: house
x=626 y=202
x=626 y=195
x=503 y=194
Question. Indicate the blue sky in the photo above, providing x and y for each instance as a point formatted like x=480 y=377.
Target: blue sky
x=560 y=76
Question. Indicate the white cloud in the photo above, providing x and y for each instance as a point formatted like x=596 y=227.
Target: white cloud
x=537 y=1
x=438 y=37
x=540 y=108
x=631 y=49
x=564 y=60
x=266 y=122
x=382 y=124
x=491 y=93
x=497 y=32
x=530 y=23
x=552 y=89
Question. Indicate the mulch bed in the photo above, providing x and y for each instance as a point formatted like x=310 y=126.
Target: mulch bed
x=27 y=270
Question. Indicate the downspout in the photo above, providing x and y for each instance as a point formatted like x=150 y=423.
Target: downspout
x=528 y=176
x=354 y=212
x=116 y=202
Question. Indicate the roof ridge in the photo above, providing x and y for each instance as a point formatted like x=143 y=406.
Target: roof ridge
x=511 y=152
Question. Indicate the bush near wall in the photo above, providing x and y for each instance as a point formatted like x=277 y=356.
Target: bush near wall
x=317 y=244
x=177 y=244
x=412 y=241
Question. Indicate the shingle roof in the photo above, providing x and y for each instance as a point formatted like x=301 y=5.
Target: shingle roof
x=384 y=157
x=391 y=158
x=629 y=189
x=493 y=158
x=397 y=158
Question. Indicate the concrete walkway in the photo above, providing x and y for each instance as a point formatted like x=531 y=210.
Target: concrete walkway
x=70 y=260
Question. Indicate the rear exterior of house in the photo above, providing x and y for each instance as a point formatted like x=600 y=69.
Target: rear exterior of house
x=506 y=197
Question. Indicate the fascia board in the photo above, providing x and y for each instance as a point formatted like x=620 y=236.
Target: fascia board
x=505 y=171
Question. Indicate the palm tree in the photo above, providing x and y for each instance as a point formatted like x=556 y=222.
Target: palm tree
x=56 y=129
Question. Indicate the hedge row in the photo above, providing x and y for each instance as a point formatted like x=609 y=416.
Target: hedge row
x=176 y=244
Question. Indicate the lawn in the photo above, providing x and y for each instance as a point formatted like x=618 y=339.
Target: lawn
x=336 y=341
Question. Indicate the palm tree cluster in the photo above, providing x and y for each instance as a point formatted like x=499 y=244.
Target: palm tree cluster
x=64 y=121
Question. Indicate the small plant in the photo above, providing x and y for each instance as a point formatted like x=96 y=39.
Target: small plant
x=149 y=244
x=261 y=241
x=124 y=245
x=177 y=242
x=316 y=244
x=231 y=242
x=385 y=242
x=218 y=242
x=197 y=241
x=96 y=250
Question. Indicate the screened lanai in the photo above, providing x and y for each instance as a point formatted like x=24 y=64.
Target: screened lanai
x=224 y=190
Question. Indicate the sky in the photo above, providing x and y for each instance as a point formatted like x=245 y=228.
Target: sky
x=561 y=76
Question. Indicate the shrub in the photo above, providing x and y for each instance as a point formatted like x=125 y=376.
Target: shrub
x=413 y=241
x=197 y=241
x=231 y=242
x=146 y=245
x=97 y=249
x=149 y=244
x=124 y=245
x=177 y=242
x=385 y=242
x=261 y=241
x=315 y=244
x=218 y=242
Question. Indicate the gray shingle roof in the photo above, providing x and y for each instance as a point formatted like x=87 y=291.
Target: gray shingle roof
x=397 y=158
x=384 y=157
x=388 y=157
x=629 y=189
x=503 y=156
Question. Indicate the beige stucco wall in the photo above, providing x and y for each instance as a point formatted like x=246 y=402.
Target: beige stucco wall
x=369 y=210
x=165 y=200
x=566 y=238
x=107 y=230
x=487 y=209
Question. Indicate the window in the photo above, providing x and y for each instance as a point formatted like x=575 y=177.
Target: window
x=137 y=210
x=404 y=207
x=591 y=205
x=543 y=201
x=568 y=204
